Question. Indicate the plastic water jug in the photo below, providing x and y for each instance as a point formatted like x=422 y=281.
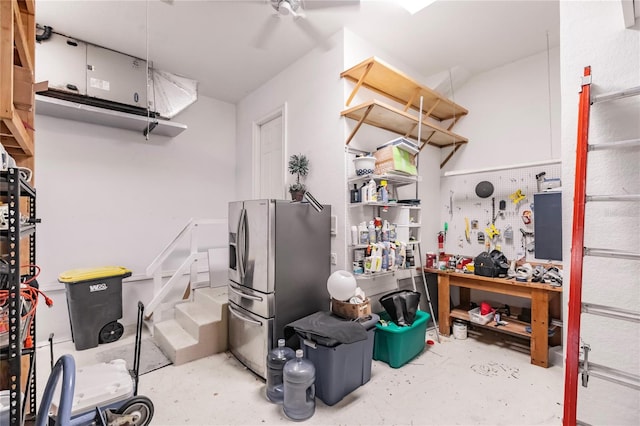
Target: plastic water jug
x=299 y=388
x=276 y=359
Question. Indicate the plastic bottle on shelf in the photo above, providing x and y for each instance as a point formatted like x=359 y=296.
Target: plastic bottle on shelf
x=392 y=257
x=372 y=191
x=354 y=235
x=299 y=388
x=376 y=258
x=363 y=233
x=364 y=193
x=384 y=194
x=355 y=194
x=385 y=230
x=401 y=252
x=276 y=360
x=385 y=257
x=372 y=233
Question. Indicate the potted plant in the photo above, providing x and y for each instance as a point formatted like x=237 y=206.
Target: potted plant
x=299 y=166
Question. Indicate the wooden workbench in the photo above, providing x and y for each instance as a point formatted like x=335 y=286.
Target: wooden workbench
x=545 y=304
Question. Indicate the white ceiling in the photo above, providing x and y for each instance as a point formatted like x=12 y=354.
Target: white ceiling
x=215 y=43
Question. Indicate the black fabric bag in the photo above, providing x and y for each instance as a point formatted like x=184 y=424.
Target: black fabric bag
x=401 y=306
x=492 y=264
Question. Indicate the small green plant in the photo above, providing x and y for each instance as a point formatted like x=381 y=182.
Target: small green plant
x=299 y=166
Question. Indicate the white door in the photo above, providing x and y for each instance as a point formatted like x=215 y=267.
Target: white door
x=270 y=167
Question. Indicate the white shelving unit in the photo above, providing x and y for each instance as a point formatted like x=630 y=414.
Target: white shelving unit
x=424 y=109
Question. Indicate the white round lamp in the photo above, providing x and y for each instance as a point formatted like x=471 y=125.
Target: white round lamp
x=341 y=285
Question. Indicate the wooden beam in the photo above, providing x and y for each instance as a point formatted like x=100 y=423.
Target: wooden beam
x=428 y=113
x=6 y=60
x=455 y=148
x=411 y=99
x=20 y=132
x=355 y=129
x=10 y=145
x=359 y=83
x=453 y=122
x=28 y=5
x=21 y=41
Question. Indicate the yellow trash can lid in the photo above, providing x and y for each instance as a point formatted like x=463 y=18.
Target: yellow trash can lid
x=87 y=274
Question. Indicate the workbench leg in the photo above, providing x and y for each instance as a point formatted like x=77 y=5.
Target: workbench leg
x=539 y=328
x=444 y=308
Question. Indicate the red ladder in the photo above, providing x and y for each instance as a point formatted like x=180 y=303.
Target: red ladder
x=575 y=366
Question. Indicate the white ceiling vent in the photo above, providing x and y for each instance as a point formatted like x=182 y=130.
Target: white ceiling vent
x=91 y=83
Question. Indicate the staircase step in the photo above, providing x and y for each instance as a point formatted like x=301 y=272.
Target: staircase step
x=212 y=294
x=174 y=341
x=198 y=329
x=195 y=317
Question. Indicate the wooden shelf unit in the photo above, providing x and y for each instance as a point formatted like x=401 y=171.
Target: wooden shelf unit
x=545 y=306
x=439 y=114
x=515 y=327
x=382 y=78
x=17 y=63
x=378 y=114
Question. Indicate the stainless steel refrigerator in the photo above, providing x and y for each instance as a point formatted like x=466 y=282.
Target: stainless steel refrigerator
x=279 y=262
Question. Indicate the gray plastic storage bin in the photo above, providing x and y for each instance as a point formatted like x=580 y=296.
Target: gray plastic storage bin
x=341 y=368
x=94 y=300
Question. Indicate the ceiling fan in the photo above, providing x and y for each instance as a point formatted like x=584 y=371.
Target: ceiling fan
x=296 y=9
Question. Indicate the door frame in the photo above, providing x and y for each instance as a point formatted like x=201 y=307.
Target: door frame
x=281 y=111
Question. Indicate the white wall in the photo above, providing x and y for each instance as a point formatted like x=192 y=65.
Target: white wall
x=311 y=89
x=107 y=196
x=511 y=117
x=315 y=94
x=592 y=33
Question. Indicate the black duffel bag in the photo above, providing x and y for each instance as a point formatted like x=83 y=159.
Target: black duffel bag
x=401 y=306
x=494 y=264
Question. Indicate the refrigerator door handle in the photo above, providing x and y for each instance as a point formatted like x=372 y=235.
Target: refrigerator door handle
x=244 y=318
x=242 y=243
x=245 y=295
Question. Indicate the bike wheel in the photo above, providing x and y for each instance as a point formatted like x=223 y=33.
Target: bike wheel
x=111 y=332
x=140 y=408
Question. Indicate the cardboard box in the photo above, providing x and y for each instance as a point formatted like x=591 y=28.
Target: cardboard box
x=392 y=159
x=22 y=88
x=351 y=310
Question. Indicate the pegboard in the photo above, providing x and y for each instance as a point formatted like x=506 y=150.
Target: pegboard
x=459 y=201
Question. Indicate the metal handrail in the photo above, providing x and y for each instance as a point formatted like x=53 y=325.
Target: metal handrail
x=629 y=143
x=612 y=96
x=611 y=253
x=620 y=197
x=611 y=312
x=66 y=366
x=170 y=248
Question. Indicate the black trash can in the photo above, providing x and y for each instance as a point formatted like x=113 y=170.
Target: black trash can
x=94 y=301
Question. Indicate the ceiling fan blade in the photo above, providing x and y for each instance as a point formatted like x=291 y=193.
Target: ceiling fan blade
x=325 y=4
x=313 y=32
x=266 y=31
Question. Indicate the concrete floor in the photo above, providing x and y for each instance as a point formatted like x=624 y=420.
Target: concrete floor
x=456 y=382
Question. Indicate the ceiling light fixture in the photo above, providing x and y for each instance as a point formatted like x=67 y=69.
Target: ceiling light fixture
x=284 y=8
x=414 y=6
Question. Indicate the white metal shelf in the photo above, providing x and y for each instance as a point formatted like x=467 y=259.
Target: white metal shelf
x=394 y=179
x=394 y=205
x=374 y=275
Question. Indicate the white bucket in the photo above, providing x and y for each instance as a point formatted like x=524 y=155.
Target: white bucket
x=459 y=330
